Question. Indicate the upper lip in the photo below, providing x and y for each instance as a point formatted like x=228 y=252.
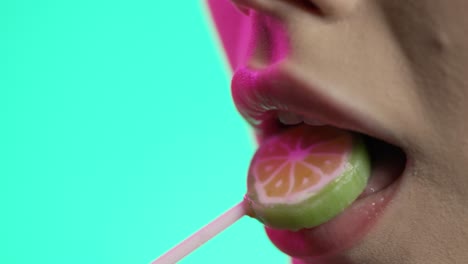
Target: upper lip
x=259 y=93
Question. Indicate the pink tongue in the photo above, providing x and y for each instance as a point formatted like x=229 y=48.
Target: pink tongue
x=387 y=162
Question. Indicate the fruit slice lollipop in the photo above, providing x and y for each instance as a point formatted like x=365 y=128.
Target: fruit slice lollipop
x=306 y=176
x=300 y=178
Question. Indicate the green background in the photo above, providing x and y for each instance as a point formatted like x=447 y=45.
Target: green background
x=118 y=136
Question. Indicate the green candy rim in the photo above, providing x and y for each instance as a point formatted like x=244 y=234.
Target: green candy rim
x=316 y=210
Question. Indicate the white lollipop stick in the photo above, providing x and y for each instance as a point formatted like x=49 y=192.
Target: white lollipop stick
x=202 y=235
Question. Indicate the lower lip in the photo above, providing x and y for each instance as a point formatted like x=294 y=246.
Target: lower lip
x=338 y=234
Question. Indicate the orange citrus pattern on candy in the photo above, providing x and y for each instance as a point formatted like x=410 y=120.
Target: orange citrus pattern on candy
x=301 y=160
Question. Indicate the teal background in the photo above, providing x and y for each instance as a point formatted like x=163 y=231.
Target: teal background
x=118 y=136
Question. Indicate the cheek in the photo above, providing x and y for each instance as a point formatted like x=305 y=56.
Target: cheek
x=434 y=48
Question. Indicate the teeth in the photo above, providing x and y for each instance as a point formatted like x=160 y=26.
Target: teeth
x=289 y=118
x=313 y=122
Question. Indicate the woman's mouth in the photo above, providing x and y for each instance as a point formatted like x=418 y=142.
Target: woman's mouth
x=350 y=226
x=273 y=100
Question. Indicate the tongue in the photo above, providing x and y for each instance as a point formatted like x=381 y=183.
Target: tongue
x=387 y=163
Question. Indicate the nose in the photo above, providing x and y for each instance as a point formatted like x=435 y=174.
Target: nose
x=325 y=8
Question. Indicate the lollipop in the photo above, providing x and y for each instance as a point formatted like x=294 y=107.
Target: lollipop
x=306 y=176
x=297 y=179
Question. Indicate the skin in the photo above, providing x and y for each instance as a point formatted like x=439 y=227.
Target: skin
x=403 y=65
